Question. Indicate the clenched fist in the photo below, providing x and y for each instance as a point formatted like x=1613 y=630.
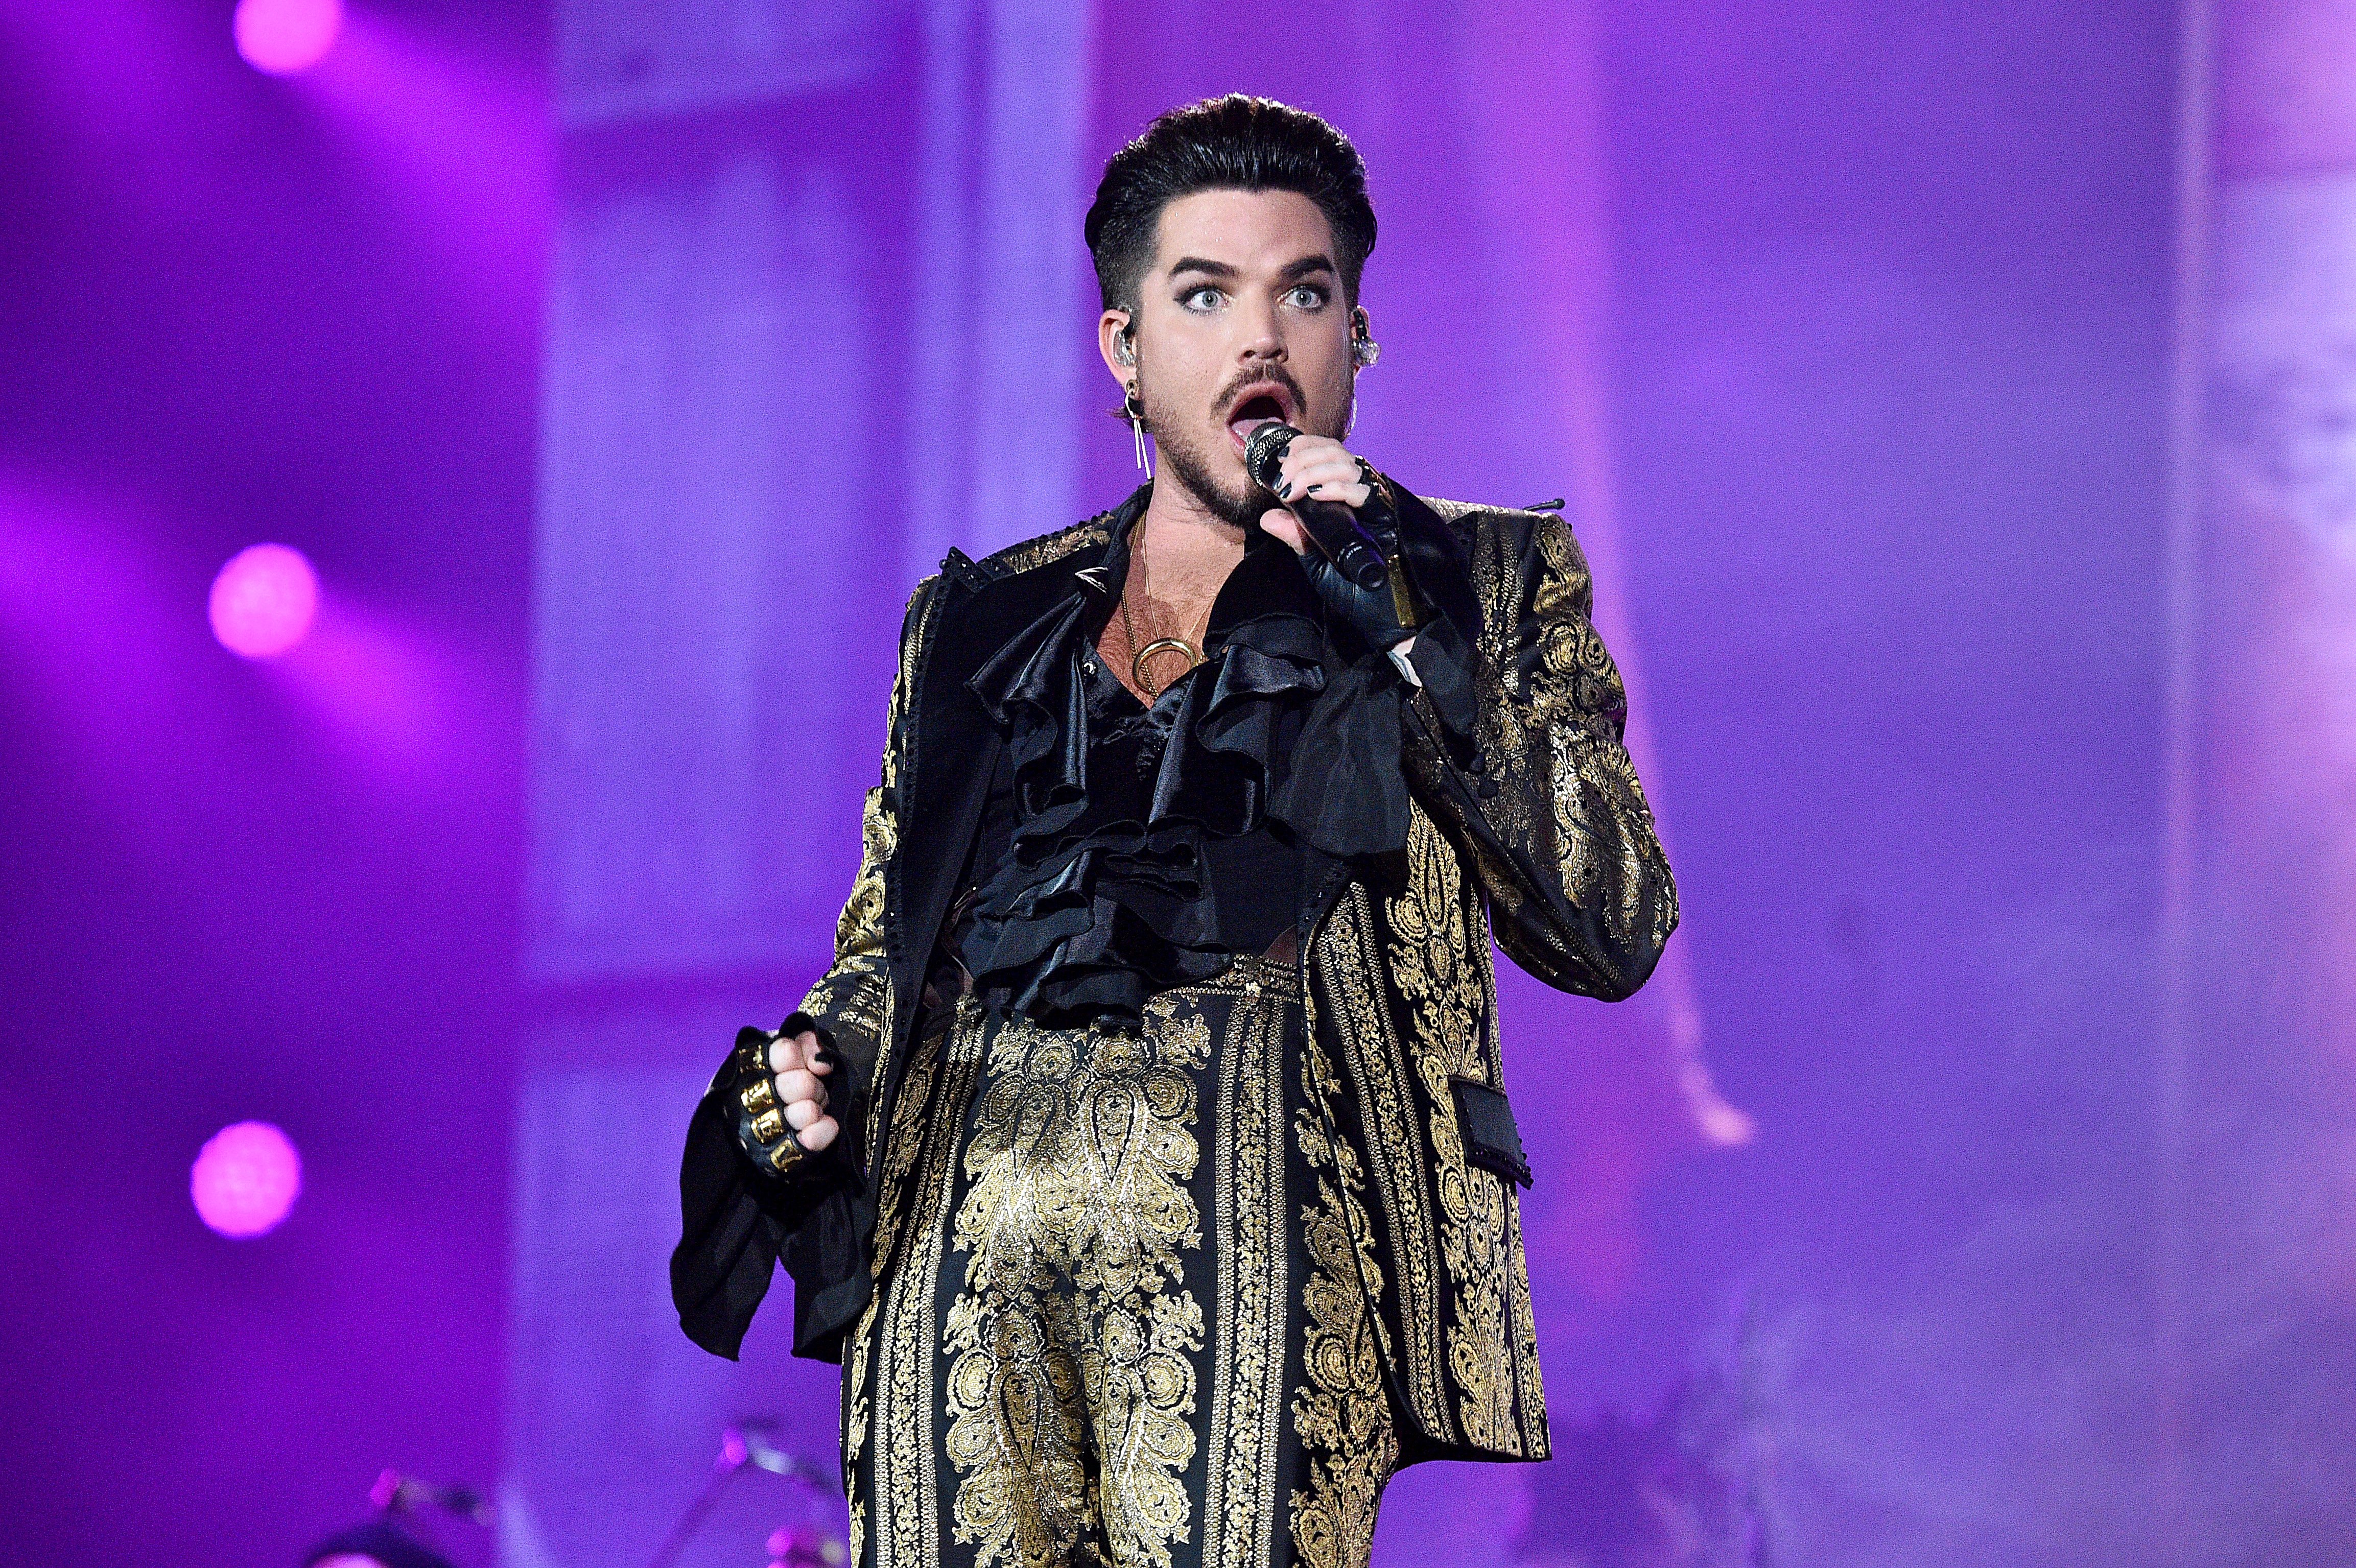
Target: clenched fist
x=799 y=1067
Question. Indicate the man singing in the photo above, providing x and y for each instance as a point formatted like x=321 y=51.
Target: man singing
x=1144 y=1156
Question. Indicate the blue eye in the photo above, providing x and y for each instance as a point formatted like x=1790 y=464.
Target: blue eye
x=1307 y=296
x=1204 y=298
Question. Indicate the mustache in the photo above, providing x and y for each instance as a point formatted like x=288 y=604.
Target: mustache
x=1276 y=375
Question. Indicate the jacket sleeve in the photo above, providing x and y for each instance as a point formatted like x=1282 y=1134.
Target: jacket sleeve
x=1514 y=744
x=738 y=1218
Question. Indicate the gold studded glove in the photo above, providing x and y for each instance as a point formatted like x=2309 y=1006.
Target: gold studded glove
x=758 y=1111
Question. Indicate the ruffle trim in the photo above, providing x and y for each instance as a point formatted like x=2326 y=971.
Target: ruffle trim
x=1104 y=899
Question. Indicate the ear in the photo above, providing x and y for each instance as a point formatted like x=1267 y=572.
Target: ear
x=1118 y=345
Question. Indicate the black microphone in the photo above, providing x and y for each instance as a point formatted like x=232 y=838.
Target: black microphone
x=1335 y=527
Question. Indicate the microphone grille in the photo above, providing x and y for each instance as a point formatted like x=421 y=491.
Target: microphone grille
x=1264 y=452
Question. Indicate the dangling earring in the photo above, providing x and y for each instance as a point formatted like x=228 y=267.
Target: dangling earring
x=1363 y=352
x=1135 y=411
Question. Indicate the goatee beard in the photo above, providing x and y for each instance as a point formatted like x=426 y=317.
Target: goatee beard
x=1239 y=509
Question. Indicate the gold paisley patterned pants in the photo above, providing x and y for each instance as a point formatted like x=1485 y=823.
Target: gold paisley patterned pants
x=1119 y=1321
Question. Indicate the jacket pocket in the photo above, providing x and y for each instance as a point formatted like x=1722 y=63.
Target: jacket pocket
x=1486 y=1121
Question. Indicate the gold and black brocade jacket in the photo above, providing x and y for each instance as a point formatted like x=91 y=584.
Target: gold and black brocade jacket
x=1525 y=821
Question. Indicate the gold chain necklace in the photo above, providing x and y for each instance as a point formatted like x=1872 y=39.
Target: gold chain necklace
x=1137 y=656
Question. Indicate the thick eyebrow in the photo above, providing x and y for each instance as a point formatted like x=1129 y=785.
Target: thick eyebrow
x=1308 y=266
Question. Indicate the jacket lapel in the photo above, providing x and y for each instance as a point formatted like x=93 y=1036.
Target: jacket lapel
x=954 y=746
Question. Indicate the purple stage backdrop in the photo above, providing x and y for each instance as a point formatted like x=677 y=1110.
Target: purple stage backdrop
x=1953 y=395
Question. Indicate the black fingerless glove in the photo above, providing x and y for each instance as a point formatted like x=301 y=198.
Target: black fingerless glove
x=754 y=1107
x=1383 y=616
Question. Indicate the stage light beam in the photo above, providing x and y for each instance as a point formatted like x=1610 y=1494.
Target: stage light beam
x=264 y=601
x=284 y=37
x=245 y=1180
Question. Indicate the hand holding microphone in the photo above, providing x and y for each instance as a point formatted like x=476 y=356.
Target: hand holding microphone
x=1323 y=489
x=1320 y=485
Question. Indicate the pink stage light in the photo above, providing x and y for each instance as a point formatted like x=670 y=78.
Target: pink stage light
x=283 y=37
x=264 y=601
x=246 y=1179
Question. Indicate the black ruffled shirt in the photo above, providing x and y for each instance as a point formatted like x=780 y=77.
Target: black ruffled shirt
x=1124 y=849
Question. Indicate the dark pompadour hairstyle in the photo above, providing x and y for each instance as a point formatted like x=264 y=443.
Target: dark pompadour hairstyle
x=1236 y=142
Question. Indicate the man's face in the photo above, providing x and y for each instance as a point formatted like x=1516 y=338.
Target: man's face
x=1240 y=318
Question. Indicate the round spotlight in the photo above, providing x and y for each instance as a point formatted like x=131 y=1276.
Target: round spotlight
x=283 y=37
x=264 y=601
x=246 y=1179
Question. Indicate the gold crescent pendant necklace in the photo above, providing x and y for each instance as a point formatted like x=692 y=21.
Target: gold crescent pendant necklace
x=1138 y=657
x=1159 y=645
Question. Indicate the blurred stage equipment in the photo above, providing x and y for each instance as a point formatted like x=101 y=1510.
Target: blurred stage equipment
x=245 y=1180
x=1686 y=1486
x=805 y=1548
x=379 y=1543
x=397 y=1493
x=750 y=1443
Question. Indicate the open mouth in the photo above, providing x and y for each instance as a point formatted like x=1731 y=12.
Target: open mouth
x=1255 y=408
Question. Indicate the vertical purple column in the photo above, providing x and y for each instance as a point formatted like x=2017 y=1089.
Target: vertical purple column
x=2258 y=1304
x=807 y=263
x=709 y=674
x=1002 y=292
